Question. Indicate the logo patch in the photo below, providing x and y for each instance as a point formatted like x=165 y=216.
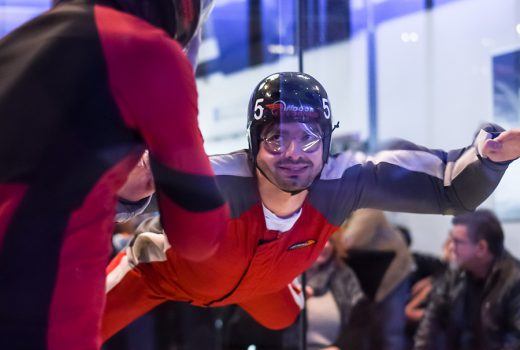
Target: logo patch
x=292 y=110
x=307 y=243
x=276 y=107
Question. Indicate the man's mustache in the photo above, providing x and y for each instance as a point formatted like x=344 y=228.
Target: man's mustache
x=294 y=162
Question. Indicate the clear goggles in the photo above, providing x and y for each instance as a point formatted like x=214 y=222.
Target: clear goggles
x=307 y=136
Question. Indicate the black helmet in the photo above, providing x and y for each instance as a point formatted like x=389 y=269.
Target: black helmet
x=181 y=19
x=288 y=97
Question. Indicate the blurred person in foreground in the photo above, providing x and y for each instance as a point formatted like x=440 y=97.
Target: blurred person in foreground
x=85 y=88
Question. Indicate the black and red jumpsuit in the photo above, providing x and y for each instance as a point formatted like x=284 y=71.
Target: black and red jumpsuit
x=83 y=91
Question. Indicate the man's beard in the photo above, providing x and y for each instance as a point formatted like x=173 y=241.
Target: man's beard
x=298 y=182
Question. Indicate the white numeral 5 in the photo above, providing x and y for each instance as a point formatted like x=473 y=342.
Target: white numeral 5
x=326 y=107
x=259 y=110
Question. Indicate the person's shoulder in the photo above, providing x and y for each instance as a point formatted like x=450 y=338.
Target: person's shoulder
x=511 y=264
x=70 y=20
x=337 y=164
x=145 y=64
x=233 y=164
x=508 y=275
x=134 y=36
x=451 y=278
x=125 y=23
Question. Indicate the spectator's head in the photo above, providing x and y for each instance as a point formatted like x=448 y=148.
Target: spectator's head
x=289 y=128
x=476 y=238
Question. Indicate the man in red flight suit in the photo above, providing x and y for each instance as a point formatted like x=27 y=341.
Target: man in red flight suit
x=84 y=89
x=287 y=196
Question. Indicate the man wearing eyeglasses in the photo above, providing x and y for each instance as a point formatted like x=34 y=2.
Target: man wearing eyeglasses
x=287 y=195
x=477 y=305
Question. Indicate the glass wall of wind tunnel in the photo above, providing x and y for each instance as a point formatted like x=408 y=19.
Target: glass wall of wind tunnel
x=428 y=71
x=434 y=71
x=244 y=41
x=333 y=40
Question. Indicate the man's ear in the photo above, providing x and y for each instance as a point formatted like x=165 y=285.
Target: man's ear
x=482 y=247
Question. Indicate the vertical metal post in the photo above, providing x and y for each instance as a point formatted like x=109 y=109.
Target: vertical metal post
x=303 y=315
x=301 y=31
x=372 y=76
x=256 y=54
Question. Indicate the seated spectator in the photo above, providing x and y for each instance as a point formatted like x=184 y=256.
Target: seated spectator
x=369 y=230
x=428 y=267
x=335 y=297
x=476 y=305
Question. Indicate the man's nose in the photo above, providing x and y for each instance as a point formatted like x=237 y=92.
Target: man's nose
x=294 y=150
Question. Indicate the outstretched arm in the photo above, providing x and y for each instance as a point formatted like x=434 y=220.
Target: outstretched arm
x=410 y=178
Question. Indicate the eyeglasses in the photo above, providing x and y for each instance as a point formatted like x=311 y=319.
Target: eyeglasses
x=277 y=141
x=459 y=241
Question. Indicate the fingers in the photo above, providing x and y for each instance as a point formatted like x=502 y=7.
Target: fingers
x=508 y=135
x=493 y=150
x=144 y=162
x=420 y=285
x=493 y=145
x=505 y=147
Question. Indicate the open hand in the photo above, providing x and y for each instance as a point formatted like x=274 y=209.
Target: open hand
x=504 y=147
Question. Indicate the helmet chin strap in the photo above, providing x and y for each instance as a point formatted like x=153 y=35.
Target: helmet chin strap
x=286 y=191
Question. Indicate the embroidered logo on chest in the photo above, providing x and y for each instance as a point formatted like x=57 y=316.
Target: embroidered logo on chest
x=307 y=243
